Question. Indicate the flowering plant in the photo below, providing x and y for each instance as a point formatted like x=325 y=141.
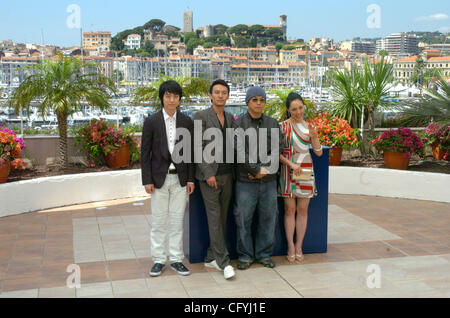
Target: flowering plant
x=10 y=147
x=99 y=138
x=439 y=135
x=335 y=131
x=402 y=140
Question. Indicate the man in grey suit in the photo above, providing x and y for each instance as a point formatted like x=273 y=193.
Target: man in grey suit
x=216 y=177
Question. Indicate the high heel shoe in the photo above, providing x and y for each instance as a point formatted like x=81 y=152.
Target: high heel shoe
x=299 y=257
x=291 y=258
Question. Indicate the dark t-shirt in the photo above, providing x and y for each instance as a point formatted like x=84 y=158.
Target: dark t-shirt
x=224 y=167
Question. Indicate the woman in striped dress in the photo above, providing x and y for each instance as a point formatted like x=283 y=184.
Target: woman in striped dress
x=297 y=137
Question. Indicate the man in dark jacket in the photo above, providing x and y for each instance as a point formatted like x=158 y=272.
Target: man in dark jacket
x=216 y=178
x=256 y=185
x=169 y=181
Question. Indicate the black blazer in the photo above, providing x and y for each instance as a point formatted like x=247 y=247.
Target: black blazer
x=155 y=156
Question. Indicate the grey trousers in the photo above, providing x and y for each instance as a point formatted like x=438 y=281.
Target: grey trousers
x=217 y=202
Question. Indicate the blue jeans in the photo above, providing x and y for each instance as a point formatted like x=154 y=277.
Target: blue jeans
x=262 y=199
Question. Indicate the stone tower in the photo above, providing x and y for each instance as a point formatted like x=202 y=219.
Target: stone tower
x=283 y=24
x=188 y=23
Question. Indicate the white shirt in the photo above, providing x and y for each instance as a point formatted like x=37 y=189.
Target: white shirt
x=171 y=131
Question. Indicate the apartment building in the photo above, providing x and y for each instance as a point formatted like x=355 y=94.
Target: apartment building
x=133 y=41
x=12 y=71
x=260 y=74
x=100 y=40
x=366 y=47
x=268 y=54
x=404 y=67
x=288 y=56
x=399 y=44
x=440 y=62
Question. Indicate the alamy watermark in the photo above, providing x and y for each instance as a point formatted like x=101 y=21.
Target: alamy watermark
x=241 y=146
x=74 y=279
x=374 y=279
x=74 y=19
x=374 y=19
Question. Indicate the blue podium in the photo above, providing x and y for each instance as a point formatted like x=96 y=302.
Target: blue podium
x=196 y=235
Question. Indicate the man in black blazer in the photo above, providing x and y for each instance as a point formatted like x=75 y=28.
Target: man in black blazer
x=168 y=180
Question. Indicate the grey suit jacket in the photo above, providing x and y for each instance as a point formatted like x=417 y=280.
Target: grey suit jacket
x=209 y=119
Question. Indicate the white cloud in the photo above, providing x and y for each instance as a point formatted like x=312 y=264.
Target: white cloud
x=445 y=29
x=433 y=17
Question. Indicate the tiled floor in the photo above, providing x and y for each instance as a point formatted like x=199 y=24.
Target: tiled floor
x=407 y=241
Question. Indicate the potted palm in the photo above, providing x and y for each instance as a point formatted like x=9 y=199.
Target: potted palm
x=397 y=146
x=63 y=85
x=104 y=143
x=335 y=132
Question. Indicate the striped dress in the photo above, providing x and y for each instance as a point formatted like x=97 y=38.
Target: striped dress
x=296 y=149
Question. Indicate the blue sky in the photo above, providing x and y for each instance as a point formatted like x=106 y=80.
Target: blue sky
x=22 y=20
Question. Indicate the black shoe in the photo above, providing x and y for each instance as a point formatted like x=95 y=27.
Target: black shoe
x=157 y=269
x=180 y=268
x=268 y=263
x=243 y=265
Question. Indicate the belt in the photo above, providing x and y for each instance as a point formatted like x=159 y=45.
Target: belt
x=172 y=171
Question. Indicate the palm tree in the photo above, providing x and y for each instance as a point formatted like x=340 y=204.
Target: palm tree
x=348 y=95
x=63 y=85
x=374 y=86
x=191 y=86
x=433 y=106
x=276 y=107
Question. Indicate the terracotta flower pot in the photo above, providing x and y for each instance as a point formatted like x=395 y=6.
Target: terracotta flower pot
x=438 y=154
x=335 y=156
x=395 y=160
x=119 y=159
x=4 y=172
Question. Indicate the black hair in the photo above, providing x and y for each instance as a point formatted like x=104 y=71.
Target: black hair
x=291 y=97
x=171 y=87
x=219 y=82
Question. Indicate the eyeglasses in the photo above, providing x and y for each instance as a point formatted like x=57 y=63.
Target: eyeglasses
x=258 y=100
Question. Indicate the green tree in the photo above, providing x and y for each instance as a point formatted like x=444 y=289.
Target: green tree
x=288 y=47
x=241 y=41
x=189 y=35
x=156 y=25
x=431 y=75
x=278 y=46
x=374 y=85
x=275 y=34
x=149 y=47
x=276 y=107
x=117 y=44
x=191 y=86
x=220 y=29
x=63 y=86
x=117 y=75
x=347 y=95
x=192 y=44
x=383 y=53
x=417 y=77
x=256 y=30
x=208 y=45
x=433 y=106
x=240 y=29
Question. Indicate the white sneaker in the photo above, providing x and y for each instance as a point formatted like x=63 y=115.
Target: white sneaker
x=228 y=272
x=213 y=264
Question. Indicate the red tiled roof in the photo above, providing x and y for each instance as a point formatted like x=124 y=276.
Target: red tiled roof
x=408 y=59
x=439 y=59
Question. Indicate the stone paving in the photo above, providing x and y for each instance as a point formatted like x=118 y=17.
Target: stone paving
x=407 y=241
